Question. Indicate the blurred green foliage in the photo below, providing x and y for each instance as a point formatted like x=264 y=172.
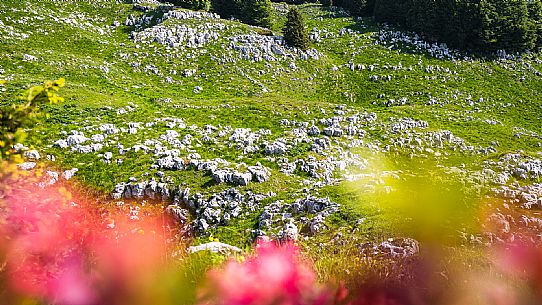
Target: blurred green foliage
x=15 y=117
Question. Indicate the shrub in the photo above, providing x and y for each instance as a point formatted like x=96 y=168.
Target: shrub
x=14 y=118
x=264 y=32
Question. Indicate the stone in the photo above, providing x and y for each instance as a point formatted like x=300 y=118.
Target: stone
x=68 y=174
x=76 y=139
x=231 y=177
x=202 y=226
x=277 y=50
x=289 y=232
x=333 y=131
x=118 y=191
x=189 y=72
x=108 y=156
x=32 y=155
x=316 y=224
x=97 y=138
x=215 y=247
x=392 y=248
x=351 y=130
x=48 y=179
x=219 y=176
x=138 y=190
x=259 y=173
x=241 y=179
x=275 y=148
x=314 y=131
x=26 y=166
x=499 y=223
x=178 y=213
x=96 y=147
x=61 y=143
x=27 y=57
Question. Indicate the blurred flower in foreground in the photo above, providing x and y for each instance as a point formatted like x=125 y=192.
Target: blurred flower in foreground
x=63 y=253
x=274 y=275
x=523 y=261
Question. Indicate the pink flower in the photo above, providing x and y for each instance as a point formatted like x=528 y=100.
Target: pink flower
x=275 y=275
x=64 y=254
x=524 y=261
x=72 y=285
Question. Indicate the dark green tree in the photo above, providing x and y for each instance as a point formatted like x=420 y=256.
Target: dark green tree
x=295 y=32
x=192 y=4
x=391 y=11
x=257 y=12
x=506 y=25
x=355 y=7
x=421 y=17
x=227 y=8
x=535 y=16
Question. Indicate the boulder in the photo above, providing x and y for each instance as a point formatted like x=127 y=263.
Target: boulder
x=26 y=166
x=313 y=131
x=289 y=232
x=32 y=155
x=259 y=173
x=215 y=247
x=76 y=139
x=68 y=174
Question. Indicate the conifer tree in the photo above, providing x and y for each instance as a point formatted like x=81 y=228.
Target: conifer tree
x=295 y=33
x=192 y=4
x=506 y=25
x=257 y=12
x=227 y=8
x=535 y=15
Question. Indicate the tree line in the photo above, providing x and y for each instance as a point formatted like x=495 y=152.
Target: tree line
x=476 y=25
x=254 y=12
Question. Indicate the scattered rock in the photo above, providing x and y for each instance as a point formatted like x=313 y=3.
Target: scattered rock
x=215 y=247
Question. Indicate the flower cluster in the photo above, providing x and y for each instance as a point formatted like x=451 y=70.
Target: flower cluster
x=274 y=275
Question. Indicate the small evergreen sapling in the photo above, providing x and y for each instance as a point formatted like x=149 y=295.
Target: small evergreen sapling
x=295 y=33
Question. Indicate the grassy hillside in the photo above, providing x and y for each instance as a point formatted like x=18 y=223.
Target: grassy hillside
x=411 y=116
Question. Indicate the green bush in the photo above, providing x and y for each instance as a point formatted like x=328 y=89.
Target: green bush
x=264 y=32
x=16 y=117
x=506 y=25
